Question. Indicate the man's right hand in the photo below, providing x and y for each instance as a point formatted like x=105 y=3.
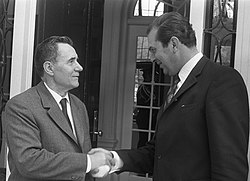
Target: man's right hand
x=101 y=162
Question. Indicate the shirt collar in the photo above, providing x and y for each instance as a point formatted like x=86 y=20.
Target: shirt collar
x=188 y=67
x=55 y=95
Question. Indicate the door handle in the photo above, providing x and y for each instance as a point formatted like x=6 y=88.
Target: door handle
x=95 y=131
x=98 y=133
x=95 y=126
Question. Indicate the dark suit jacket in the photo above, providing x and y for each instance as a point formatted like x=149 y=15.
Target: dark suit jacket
x=202 y=134
x=41 y=143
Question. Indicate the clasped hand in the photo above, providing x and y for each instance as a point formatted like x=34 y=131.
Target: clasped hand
x=102 y=162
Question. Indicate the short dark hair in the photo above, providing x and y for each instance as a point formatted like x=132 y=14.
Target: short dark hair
x=47 y=51
x=173 y=24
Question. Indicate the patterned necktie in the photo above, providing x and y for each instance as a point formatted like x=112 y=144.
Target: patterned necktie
x=172 y=89
x=64 y=110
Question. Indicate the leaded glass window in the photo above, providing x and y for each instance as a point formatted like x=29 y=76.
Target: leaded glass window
x=220 y=31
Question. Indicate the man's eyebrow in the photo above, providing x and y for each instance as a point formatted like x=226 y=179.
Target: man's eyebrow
x=73 y=58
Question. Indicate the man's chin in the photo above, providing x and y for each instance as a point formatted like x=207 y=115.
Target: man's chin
x=75 y=85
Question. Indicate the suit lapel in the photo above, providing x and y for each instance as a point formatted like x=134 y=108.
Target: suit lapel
x=54 y=111
x=192 y=77
x=189 y=82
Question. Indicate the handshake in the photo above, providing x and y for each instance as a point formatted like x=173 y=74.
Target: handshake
x=103 y=162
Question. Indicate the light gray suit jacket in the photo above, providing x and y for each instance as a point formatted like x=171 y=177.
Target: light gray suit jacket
x=41 y=143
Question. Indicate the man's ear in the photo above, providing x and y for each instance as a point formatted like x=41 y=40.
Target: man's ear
x=174 y=42
x=48 y=68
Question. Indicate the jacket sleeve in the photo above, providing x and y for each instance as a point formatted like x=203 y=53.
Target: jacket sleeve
x=139 y=160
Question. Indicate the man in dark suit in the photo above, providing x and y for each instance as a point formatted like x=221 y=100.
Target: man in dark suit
x=202 y=132
x=44 y=142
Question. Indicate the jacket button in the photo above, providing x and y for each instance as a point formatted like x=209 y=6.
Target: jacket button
x=159 y=157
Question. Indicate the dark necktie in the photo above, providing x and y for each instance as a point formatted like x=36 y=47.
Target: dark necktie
x=63 y=103
x=172 y=89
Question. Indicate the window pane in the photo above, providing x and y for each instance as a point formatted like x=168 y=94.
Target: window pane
x=158 y=7
x=148 y=8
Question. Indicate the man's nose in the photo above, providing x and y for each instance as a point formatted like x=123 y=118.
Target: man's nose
x=79 y=67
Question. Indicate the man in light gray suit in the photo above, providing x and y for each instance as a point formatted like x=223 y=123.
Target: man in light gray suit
x=49 y=140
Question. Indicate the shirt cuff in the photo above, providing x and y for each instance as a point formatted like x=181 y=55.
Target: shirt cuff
x=88 y=164
x=118 y=163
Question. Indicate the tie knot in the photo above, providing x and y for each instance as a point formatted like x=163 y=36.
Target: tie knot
x=63 y=102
